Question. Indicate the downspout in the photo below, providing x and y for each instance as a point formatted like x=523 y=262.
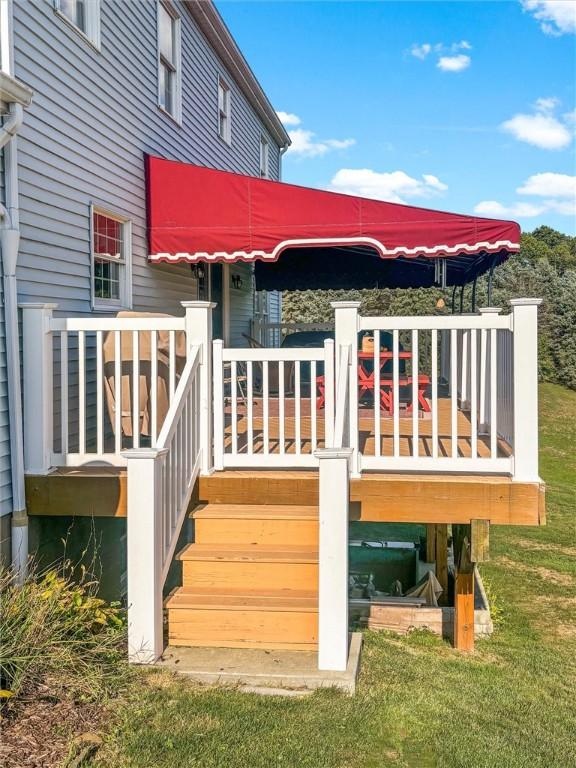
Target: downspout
x=9 y=242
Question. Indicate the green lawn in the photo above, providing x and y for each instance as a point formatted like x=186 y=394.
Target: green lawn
x=419 y=703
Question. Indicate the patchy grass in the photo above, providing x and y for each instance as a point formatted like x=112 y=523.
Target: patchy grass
x=419 y=702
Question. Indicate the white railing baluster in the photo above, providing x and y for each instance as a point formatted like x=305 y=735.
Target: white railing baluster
x=313 y=428
x=250 y=411
x=81 y=392
x=493 y=396
x=434 y=376
x=265 y=408
x=234 y=403
x=281 y=425
x=117 y=391
x=297 y=426
x=172 y=362
x=219 y=403
x=415 y=400
x=64 y=392
x=377 y=415
x=154 y=386
x=135 y=389
x=473 y=395
x=329 y=379
x=396 y=390
x=99 y=396
x=454 y=393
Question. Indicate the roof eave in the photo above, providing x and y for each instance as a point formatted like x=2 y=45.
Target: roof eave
x=215 y=30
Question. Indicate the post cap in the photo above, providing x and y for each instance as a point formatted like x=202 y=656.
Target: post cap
x=198 y=304
x=345 y=304
x=525 y=302
x=333 y=453
x=489 y=310
x=37 y=305
x=143 y=453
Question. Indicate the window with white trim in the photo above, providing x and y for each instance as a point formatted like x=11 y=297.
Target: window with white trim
x=169 y=66
x=83 y=15
x=224 y=111
x=111 y=260
x=264 y=152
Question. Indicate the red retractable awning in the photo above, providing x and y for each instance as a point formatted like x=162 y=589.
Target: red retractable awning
x=199 y=214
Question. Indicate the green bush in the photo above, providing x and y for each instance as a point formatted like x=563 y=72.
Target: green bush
x=55 y=631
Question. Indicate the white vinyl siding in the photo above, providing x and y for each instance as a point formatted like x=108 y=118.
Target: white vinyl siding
x=73 y=153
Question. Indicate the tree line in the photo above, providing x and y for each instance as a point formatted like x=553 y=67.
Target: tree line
x=545 y=267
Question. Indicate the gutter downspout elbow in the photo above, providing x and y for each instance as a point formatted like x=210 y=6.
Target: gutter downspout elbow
x=12 y=125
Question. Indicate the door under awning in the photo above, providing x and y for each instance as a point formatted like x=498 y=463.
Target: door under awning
x=303 y=238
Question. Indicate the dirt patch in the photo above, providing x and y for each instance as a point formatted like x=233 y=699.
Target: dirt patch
x=37 y=730
x=553 y=577
x=540 y=546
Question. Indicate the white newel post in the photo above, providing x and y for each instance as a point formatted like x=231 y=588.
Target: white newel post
x=346 y=333
x=38 y=375
x=334 y=464
x=485 y=374
x=525 y=342
x=145 y=625
x=199 y=334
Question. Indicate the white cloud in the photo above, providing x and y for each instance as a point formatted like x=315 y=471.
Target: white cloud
x=542 y=128
x=421 y=51
x=394 y=187
x=454 y=63
x=517 y=210
x=556 y=17
x=549 y=185
x=557 y=190
x=305 y=144
x=288 y=118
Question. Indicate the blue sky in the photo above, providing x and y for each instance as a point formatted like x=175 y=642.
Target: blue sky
x=463 y=106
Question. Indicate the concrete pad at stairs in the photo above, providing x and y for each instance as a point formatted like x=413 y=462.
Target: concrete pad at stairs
x=255 y=668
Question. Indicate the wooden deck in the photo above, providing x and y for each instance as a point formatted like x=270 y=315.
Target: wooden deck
x=367 y=440
x=376 y=497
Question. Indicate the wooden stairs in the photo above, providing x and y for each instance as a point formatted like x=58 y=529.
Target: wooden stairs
x=250 y=580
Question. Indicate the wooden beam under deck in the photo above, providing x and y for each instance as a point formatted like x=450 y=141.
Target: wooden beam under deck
x=419 y=498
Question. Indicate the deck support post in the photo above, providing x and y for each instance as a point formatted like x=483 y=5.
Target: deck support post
x=144 y=561
x=463 y=589
x=334 y=479
x=525 y=329
x=199 y=334
x=38 y=375
x=346 y=327
x=441 y=558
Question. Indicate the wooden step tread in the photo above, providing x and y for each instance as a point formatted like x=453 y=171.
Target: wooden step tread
x=187 y=598
x=249 y=553
x=256 y=512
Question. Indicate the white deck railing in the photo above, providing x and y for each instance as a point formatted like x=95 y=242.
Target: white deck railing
x=266 y=410
x=160 y=486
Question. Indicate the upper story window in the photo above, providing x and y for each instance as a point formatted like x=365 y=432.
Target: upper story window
x=224 y=111
x=264 y=151
x=111 y=260
x=83 y=15
x=169 y=69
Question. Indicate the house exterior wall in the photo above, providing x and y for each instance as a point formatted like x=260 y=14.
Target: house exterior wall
x=94 y=115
